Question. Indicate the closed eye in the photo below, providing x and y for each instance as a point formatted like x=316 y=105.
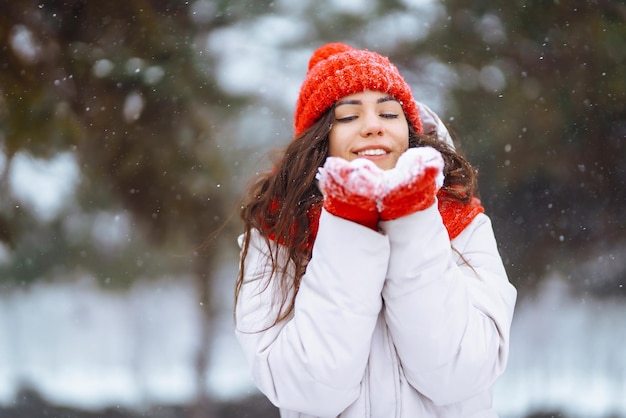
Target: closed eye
x=354 y=117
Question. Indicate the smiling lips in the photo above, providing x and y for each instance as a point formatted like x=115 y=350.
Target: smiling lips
x=372 y=152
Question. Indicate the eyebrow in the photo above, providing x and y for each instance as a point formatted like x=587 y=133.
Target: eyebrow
x=359 y=102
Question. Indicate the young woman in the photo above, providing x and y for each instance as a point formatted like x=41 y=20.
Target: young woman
x=370 y=283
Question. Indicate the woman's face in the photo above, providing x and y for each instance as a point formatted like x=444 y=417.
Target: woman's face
x=369 y=125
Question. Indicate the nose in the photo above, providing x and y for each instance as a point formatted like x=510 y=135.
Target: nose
x=372 y=126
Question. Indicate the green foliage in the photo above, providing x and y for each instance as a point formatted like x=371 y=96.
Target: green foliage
x=534 y=90
x=549 y=139
x=124 y=87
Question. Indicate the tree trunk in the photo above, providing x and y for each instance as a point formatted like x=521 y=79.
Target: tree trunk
x=203 y=406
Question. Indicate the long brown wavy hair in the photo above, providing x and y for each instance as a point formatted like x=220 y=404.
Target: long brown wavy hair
x=278 y=204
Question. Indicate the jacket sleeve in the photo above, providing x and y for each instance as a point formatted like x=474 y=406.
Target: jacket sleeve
x=449 y=308
x=314 y=361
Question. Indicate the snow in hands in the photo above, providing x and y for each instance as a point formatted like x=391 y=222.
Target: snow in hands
x=412 y=185
x=360 y=176
x=351 y=188
x=409 y=187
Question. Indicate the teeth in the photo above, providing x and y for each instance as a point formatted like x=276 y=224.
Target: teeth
x=373 y=152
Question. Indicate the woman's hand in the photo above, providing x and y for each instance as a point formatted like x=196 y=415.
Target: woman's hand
x=351 y=189
x=412 y=185
x=362 y=192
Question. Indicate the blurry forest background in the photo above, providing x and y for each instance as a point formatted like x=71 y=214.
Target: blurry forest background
x=129 y=128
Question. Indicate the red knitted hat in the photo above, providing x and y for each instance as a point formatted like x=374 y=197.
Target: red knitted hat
x=337 y=70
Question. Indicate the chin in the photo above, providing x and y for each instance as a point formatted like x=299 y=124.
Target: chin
x=386 y=166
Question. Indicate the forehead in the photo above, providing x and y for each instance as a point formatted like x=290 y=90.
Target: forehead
x=367 y=96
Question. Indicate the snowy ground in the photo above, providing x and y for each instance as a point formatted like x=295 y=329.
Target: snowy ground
x=87 y=348
x=567 y=354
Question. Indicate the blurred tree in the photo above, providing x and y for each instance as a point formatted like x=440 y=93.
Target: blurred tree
x=127 y=88
x=539 y=103
x=536 y=94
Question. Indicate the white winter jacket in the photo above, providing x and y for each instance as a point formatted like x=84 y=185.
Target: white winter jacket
x=401 y=323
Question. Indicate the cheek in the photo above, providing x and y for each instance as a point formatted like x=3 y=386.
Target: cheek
x=399 y=132
x=402 y=139
x=335 y=144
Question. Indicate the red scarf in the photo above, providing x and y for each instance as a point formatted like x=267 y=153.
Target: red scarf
x=456 y=216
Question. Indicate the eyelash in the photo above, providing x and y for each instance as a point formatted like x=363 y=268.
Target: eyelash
x=382 y=115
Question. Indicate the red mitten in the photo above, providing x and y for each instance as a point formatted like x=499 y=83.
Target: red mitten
x=412 y=185
x=351 y=189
